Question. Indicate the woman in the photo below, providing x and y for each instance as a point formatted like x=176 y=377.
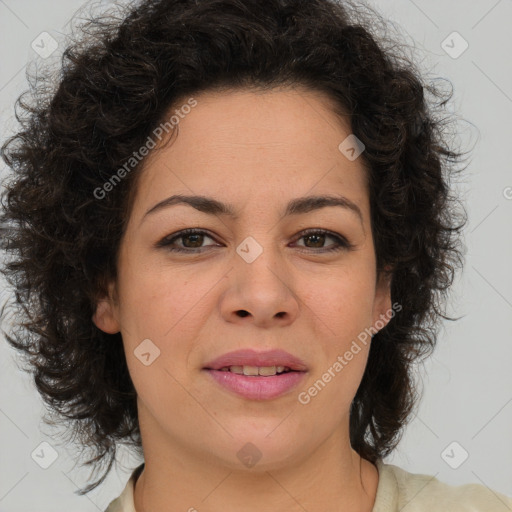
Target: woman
x=231 y=235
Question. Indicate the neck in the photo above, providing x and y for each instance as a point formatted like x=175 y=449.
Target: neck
x=175 y=479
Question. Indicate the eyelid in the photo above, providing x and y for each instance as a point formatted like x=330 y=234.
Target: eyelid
x=167 y=240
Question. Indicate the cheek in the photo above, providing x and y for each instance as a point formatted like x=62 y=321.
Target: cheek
x=341 y=304
x=163 y=313
x=341 y=312
x=156 y=301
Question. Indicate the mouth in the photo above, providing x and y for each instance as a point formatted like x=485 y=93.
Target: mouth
x=250 y=361
x=257 y=375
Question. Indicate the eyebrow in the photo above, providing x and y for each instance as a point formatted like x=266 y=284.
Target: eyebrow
x=296 y=206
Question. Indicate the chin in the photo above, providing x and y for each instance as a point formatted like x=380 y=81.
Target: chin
x=253 y=449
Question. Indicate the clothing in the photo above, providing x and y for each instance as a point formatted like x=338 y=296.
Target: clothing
x=397 y=491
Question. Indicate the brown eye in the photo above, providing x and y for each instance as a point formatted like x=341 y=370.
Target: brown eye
x=192 y=241
x=316 y=238
x=196 y=240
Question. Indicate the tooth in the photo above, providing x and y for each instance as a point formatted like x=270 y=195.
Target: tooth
x=225 y=369
x=250 y=370
x=267 y=370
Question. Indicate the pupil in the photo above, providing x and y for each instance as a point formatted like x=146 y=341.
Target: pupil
x=321 y=238
x=192 y=236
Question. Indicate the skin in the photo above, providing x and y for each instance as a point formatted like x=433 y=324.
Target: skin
x=255 y=150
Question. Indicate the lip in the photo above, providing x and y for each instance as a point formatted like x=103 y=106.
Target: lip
x=254 y=387
x=257 y=387
x=249 y=357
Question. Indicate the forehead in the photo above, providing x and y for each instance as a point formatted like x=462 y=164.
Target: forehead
x=258 y=145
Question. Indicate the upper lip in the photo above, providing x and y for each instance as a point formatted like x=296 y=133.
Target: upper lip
x=249 y=357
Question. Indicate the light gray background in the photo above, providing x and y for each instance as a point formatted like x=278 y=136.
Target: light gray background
x=467 y=383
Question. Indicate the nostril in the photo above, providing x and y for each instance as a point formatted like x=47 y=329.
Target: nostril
x=242 y=313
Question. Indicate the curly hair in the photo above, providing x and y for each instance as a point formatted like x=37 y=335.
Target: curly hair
x=116 y=84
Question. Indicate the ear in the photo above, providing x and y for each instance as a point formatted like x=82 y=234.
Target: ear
x=382 y=310
x=106 y=315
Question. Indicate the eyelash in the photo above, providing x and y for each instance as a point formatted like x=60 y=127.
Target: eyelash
x=341 y=242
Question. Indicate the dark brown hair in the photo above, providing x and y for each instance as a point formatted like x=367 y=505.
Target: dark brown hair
x=116 y=85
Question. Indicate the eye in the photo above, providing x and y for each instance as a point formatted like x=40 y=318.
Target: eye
x=192 y=241
x=317 y=237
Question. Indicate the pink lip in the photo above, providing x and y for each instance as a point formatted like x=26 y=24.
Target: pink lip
x=258 y=387
x=250 y=357
x=255 y=387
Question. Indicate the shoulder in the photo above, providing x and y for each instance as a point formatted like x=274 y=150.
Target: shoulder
x=125 y=502
x=413 y=492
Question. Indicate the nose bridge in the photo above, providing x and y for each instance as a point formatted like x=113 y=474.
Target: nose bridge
x=261 y=285
x=259 y=264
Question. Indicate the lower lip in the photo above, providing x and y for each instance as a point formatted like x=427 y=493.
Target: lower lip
x=256 y=387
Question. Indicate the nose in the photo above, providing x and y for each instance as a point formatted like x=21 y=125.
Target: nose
x=260 y=292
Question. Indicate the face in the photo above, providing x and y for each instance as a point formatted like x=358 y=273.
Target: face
x=271 y=272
